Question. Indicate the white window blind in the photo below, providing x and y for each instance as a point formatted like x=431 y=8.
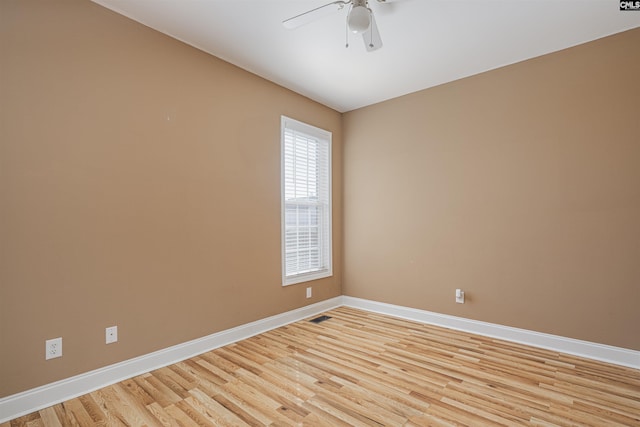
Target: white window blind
x=306 y=202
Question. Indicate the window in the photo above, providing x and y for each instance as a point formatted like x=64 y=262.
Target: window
x=306 y=202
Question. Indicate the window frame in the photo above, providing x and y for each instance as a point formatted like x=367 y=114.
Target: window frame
x=325 y=234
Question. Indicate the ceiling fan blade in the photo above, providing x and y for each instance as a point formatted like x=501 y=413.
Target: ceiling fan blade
x=371 y=37
x=313 y=14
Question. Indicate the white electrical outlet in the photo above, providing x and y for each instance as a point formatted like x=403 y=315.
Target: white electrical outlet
x=111 y=334
x=459 y=296
x=53 y=348
x=309 y=292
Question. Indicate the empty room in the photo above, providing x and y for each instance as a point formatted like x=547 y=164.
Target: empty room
x=315 y=213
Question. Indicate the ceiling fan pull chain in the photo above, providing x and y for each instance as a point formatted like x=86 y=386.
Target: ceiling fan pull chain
x=346 y=35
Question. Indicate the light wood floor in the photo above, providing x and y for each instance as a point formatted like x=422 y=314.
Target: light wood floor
x=364 y=369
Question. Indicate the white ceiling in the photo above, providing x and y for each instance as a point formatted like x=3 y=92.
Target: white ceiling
x=426 y=42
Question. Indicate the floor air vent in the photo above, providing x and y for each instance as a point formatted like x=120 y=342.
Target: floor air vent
x=320 y=319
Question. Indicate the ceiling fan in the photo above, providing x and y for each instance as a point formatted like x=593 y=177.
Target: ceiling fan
x=360 y=20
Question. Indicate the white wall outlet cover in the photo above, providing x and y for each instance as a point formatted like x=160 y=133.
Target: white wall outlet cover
x=111 y=334
x=309 y=292
x=53 y=348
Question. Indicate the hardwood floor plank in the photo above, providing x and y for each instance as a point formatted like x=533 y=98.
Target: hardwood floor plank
x=164 y=419
x=335 y=409
x=196 y=414
x=49 y=418
x=131 y=412
x=380 y=399
x=77 y=413
x=157 y=390
x=363 y=369
x=180 y=416
x=254 y=401
x=66 y=419
x=498 y=407
x=138 y=392
x=246 y=414
x=172 y=382
x=213 y=410
x=93 y=410
x=483 y=412
x=272 y=390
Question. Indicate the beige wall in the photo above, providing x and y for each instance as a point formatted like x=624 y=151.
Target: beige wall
x=139 y=187
x=520 y=186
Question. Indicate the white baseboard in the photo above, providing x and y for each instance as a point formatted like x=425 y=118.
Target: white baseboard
x=38 y=398
x=590 y=350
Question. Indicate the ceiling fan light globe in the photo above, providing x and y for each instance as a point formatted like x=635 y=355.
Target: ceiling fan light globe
x=359 y=19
